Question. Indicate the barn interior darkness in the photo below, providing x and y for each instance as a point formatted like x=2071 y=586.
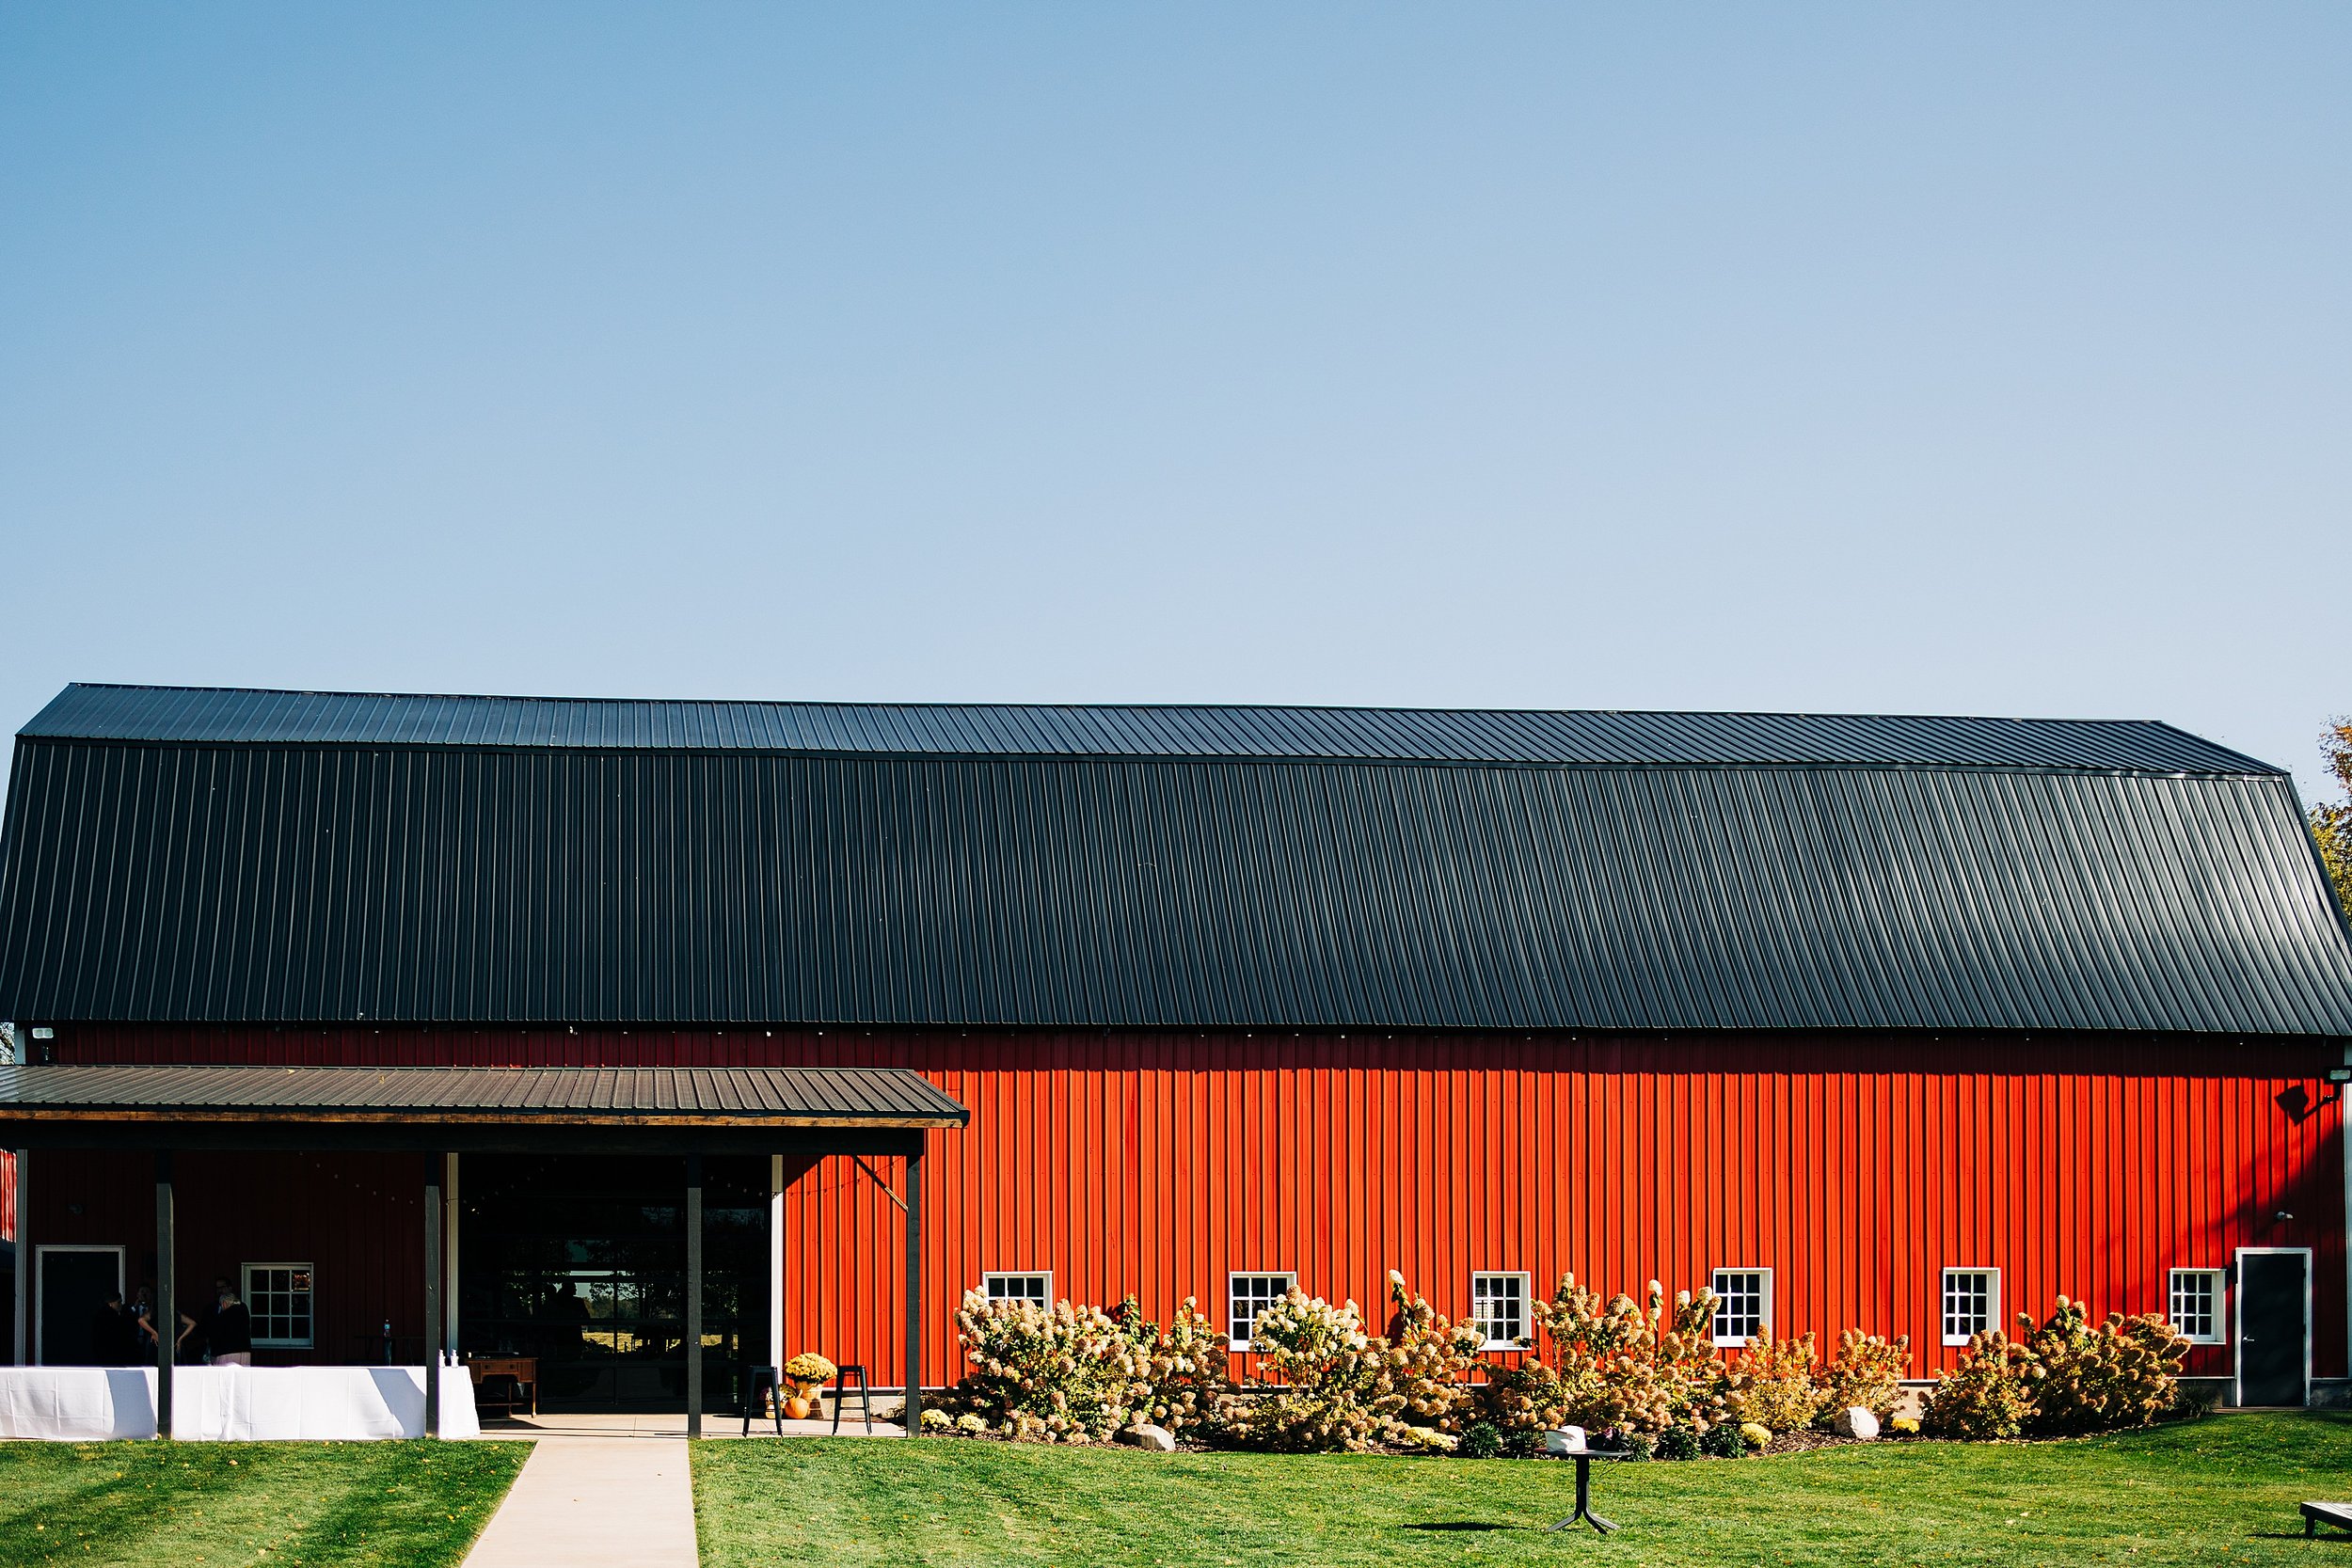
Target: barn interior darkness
x=581 y=1261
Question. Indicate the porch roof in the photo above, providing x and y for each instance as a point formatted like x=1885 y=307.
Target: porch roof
x=652 y=1109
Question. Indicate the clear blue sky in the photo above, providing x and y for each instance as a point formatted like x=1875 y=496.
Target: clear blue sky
x=1973 y=359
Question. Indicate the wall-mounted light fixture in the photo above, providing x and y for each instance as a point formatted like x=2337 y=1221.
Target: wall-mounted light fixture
x=2297 y=1102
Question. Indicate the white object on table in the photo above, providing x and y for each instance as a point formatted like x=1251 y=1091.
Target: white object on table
x=241 y=1404
x=1564 y=1440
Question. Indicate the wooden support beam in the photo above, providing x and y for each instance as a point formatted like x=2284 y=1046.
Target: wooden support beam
x=450 y=1285
x=432 y=1296
x=694 y=1295
x=913 y=1206
x=166 y=1308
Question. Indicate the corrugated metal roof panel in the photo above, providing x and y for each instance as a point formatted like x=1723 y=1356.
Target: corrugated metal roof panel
x=362 y=884
x=846 y=1097
x=197 y=716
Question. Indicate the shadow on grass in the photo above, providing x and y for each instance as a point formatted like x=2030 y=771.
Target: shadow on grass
x=1461 y=1524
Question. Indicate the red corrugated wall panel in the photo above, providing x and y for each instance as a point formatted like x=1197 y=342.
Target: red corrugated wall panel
x=1857 y=1168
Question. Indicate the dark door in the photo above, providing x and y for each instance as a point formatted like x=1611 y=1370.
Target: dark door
x=2274 y=1331
x=73 y=1286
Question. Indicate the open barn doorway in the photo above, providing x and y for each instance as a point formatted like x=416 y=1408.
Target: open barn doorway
x=579 y=1262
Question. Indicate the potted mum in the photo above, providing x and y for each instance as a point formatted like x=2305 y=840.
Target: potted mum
x=805 y=1373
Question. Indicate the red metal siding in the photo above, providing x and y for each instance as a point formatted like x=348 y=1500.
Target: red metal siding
x=1856 y=1168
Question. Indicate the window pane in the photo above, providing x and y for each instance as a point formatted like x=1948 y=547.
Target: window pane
x=1499 y=1306
x=1253 y=1293
x=2196 y=1304
x=1741 y=1309
x=1018 y=1287
x=278 y=1300
x=1967 y=1302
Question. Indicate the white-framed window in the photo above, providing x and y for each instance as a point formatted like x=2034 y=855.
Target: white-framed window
x=2196 y=1301
x=278 y=1298
x=1037 y=1288
x=1248 y=1294
x=1972 y=1303
x=1743 y=1305
x=1499 y=1306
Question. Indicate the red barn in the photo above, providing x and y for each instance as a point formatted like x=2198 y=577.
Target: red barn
x=1901 y=1023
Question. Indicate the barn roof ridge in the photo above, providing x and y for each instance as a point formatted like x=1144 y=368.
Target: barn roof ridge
x=1200 y=731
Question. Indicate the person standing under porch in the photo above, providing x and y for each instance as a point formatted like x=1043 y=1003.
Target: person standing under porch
x=231 y=1335
x=114 y=1334
x=143 y=1336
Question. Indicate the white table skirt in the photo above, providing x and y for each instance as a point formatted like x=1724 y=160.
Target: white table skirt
x=239 y=1404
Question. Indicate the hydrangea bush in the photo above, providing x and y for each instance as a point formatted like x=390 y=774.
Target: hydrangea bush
x=1052 y=1375
x=1184 y=1375
x=2064 y=1377
x=2123 y=1372
x=1615 y=1365
x=1074 y=1374
x=1772 y=1384
x=1868 y=1371
x=1322 y=1376
x=1327 y=1385
x=1430 y=1359
x=1985 y=1398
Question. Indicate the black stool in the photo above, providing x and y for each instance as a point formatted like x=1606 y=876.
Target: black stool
x=865 y=1401
x=755 y=1379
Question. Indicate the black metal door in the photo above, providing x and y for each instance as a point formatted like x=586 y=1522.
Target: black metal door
x=2274 y=1329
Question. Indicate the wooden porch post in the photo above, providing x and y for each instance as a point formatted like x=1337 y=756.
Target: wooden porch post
x=450 y=1282
x=167 y=1310
x=913 y=1415
x=432 y=1296
x=694 y=1295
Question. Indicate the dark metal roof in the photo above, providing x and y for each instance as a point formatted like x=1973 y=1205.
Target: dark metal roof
x=186 y=716
x=632 y=1097
x=194 y=881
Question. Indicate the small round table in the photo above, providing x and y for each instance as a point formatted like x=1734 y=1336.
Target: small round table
x=1584 y=1458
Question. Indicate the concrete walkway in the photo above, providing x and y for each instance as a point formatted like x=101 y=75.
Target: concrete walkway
x=594 y=1502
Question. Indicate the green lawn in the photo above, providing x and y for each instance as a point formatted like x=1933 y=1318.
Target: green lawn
x=201 y=1505
x=2218 y=1491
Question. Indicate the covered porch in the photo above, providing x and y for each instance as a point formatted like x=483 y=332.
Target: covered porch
x=695 y=1131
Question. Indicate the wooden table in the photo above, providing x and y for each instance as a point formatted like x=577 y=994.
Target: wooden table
x=518 y=1370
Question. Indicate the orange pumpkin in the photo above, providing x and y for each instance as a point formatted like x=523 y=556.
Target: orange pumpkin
x=797 y=1408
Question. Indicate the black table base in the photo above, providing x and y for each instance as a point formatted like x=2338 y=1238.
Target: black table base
x=1584 y=1493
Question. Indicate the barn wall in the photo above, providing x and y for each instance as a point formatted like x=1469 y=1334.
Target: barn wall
x=357 y=1218
x=1856 y=1168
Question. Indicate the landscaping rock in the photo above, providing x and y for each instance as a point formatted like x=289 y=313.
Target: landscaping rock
x=1145 y=1436
x=1854 y=1421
